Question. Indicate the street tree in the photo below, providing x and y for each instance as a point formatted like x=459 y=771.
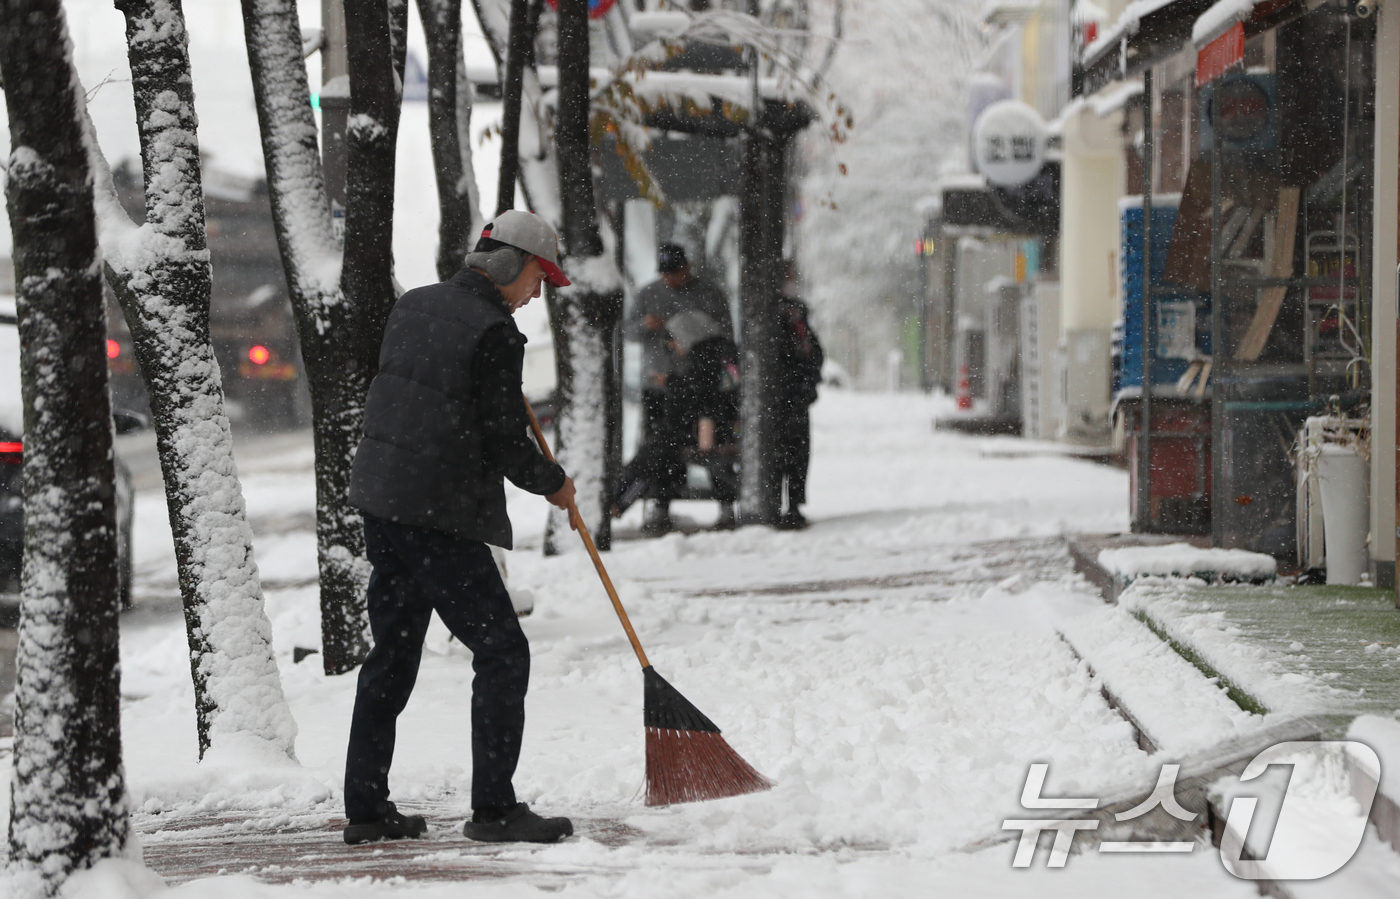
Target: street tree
x=585 y=315
x=68 y=800
x=555 y=160
x=449 y=124
x=160 y=273
x=340 y=298
x=513 y=44
x=585 y=430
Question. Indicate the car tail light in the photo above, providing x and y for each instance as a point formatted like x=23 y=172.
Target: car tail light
x=11 y=452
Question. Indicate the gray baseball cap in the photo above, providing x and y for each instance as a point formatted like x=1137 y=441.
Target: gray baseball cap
x=527 y=231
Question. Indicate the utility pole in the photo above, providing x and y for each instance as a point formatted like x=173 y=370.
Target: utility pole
x=1144 y=520
x=335 y=108
x=921 y=312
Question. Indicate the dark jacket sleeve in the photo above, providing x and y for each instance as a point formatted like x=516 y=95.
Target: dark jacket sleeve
x=506 y=443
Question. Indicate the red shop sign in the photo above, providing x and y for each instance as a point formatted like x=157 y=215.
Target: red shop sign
x=1220 y=55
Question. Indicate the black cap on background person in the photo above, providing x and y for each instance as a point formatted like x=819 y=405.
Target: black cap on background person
x=670 y=258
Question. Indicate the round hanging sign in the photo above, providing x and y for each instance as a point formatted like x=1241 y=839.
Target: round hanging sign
x=1009 y=143
x=596 y=8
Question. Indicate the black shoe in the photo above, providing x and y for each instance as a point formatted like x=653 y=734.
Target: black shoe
x=393 y=826
x=791 y=520
x=519 y=825
x=658 y=522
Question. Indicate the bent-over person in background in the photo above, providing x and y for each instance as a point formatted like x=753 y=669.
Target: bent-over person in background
x=678 y=290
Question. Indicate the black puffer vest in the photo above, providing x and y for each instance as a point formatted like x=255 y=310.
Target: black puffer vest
x=420 y=461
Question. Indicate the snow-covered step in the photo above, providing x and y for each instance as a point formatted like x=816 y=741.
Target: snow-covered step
x=1124 y=565
x=1290 y=650
x=1311 y=839
x=1383 y=736
x=1176 y=708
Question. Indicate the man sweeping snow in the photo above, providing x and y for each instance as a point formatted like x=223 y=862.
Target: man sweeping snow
x=445 y=423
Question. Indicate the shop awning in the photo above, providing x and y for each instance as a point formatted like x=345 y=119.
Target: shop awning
x=1148 y=31
x=1223 y=16
x=1032 y=209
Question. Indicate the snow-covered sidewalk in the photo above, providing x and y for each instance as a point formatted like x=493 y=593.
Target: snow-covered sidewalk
x=895 y=668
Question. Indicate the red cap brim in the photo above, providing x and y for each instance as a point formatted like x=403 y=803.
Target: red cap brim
x=553 y=274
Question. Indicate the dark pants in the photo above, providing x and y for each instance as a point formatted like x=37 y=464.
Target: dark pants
x=418 y=571
x=657 y=470
x=654 y=425
x=722 y=475
x=794 y=452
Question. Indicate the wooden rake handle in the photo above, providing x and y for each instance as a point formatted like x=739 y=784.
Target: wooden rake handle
x=577 y=520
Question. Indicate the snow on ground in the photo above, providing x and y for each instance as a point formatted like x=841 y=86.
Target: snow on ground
x=1177 y=708
x=1194 y=620
x=895 y=668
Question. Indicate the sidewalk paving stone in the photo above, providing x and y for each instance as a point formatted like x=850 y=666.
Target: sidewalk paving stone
x=1291 y=649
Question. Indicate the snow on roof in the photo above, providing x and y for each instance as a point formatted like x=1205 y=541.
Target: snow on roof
x=663 y=23
x=1126 y=26
x=1185 y=560
x=963 y=181
x=1006 y=12
x=1087 y=11
x=1219 y=18
x=1134 y=201
x=737 y=89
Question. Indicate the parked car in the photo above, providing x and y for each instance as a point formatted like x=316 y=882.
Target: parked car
x=11 y=481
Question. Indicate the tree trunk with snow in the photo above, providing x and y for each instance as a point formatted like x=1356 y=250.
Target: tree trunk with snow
x=582 y=353
x=584 y=316
x=367 y=277
x=449 y=124
x=160 y=273
x=68 y=802
x=760 y=486
x=326 y=323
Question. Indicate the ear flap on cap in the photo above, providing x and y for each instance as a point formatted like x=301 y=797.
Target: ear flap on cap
x=502 y=266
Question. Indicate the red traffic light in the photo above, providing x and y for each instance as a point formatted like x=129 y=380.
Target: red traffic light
x=259 y=354
x=114 y=349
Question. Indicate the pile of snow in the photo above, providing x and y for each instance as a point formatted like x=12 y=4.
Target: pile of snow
x=1186 y=561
